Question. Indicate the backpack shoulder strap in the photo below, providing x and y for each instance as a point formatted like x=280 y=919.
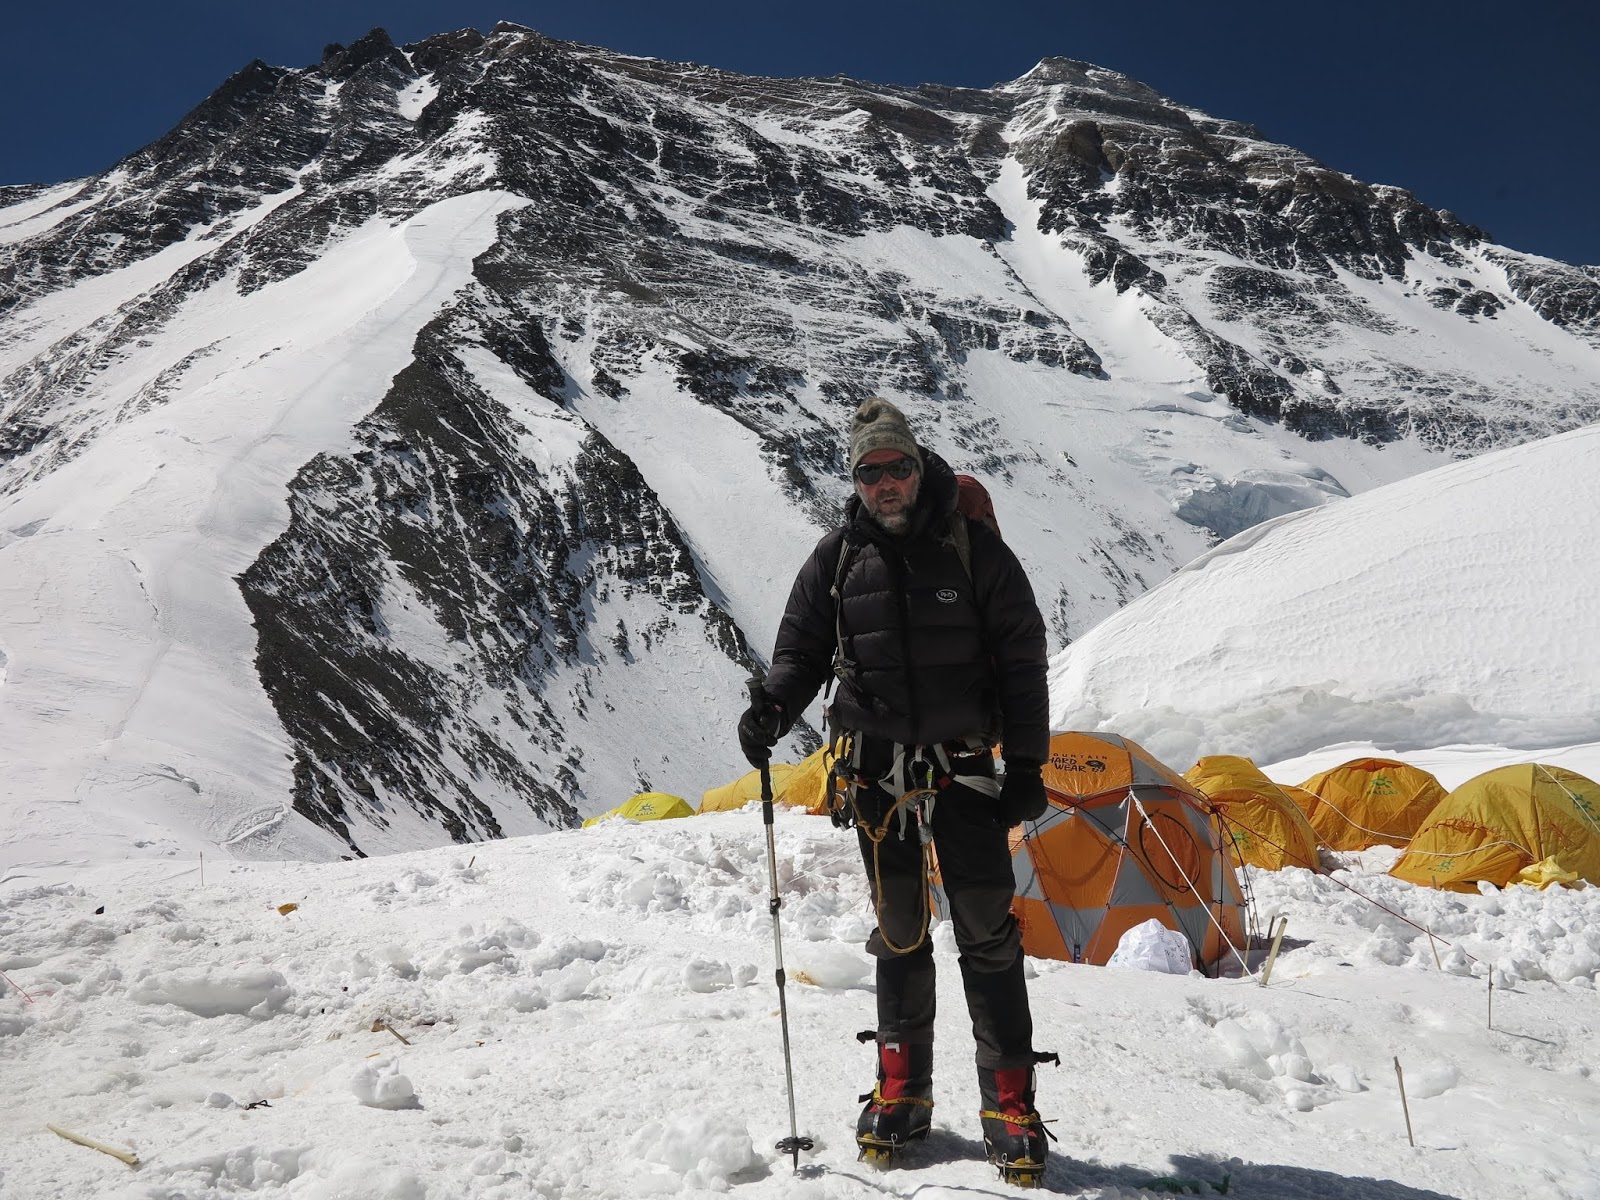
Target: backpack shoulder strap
x=961 y=539
x=847 y=551
x=843 y=668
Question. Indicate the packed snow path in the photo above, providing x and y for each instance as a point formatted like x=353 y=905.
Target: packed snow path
x=593 y=1014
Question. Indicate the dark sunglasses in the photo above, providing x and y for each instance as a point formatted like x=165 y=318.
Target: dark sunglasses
x=900 y=468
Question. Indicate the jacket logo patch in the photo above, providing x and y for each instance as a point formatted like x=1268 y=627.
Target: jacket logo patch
x=947 y=595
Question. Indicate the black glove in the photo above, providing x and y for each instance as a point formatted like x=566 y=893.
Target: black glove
x=1022 y=794
x=763 y=723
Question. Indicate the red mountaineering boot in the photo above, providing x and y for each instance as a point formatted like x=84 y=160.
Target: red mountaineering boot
x=900 y=1107
x=1013 y=1132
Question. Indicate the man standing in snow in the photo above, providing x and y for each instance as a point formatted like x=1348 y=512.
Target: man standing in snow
x=930 y=626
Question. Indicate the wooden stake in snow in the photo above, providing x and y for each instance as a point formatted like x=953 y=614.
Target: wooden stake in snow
x=1432 y=945
x=1404 y=1107
x=127 y=1156
x=381 y=1025
x=1491 y=997
x=202 y=868
x=1279 y=926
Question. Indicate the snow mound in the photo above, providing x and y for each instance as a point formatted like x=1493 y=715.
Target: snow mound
x=1455 y=606
x=694 y=1150
x=210 y=993
x=380 y=1084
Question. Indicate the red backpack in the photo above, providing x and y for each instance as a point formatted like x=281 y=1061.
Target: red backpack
x=972 y=499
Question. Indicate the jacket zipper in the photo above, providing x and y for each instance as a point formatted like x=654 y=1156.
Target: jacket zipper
x=905 y=645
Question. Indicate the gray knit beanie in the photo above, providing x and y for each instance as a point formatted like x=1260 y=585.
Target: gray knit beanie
x=879 y=425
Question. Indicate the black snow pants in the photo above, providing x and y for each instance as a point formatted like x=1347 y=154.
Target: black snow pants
x=975 y=868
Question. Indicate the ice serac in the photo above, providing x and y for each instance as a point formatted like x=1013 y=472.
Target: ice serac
x=488 y=559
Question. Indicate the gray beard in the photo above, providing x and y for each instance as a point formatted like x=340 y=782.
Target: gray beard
x=896 y=524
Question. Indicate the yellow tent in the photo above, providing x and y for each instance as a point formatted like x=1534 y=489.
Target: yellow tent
x=647 y=806
x=1266 y=828
x=1305 y=801
x=735 y=795
x=1370 y=802
x=803 y=786
x=807 y=785
x=1521 y=824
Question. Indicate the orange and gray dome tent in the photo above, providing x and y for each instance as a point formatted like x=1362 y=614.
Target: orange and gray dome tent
x=1264 y=826
x=1124 y=839
x=1370 y=802
x=1527 y=823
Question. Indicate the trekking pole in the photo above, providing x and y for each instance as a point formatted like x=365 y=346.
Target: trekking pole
x=794 y=1143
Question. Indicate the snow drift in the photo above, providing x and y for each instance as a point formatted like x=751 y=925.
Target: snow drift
x=1456 y=606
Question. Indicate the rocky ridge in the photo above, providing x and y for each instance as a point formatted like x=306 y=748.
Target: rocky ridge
x=453 y=620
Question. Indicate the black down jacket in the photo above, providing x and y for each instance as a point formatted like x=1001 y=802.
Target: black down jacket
x=933 y=654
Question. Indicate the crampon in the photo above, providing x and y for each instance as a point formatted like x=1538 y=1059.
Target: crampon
x=888 y=1126
x=1014 y=1135
x=1024 y=1174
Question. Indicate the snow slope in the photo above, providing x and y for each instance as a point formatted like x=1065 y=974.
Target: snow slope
x=131 y=653
x=592 y=1014
x=1457 y=606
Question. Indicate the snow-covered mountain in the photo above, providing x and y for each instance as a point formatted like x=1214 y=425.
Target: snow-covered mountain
x=414 y=446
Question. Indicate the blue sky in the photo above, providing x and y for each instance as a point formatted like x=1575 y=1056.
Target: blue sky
x=1489 y=109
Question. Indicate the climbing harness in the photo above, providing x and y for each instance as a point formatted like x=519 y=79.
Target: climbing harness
x=913 y=782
